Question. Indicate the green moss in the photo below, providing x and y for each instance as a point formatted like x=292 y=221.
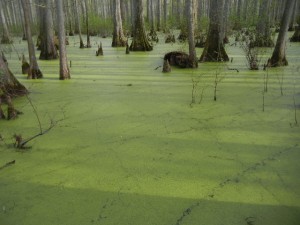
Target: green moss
x=140 y=154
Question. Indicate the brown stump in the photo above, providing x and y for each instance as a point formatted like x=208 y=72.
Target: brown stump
x=127 y=48
x=2 y=116
x=25 y=65
x=166 y=66
x=296 y=35
x=170 y=38
x=100 y=50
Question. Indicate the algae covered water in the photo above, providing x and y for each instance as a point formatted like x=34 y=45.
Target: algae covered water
x=133 y=145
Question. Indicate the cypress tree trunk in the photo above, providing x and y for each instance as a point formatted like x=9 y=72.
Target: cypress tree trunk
x=34 y=71
x=119 y=39
x=6 y=39
x=191 y=28
x=88 y=41
x=64 y=72
x=279 y=55
x=140 y=41
x=165 y=15
x=158 y=15
x=9 y=85
x=48 y=49
x=77 y=18
x=214 y=48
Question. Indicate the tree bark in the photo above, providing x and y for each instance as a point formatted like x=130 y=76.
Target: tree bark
x=48 y=49
x=34 y=70
x=88 y=41
x=158 y=23
x=77 y=18
x=64 y=72
x=9 y=85
x=119 y=39
x=214 y=48
x=279 y=54
x=140 y=41
x=6 y=39
x=165 y=15
x=191 y=35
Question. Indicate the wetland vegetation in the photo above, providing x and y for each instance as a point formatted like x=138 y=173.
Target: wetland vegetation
x=122 y=142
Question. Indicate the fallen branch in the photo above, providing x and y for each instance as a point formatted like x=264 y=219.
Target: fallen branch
x=8 y=164
x=20 y=142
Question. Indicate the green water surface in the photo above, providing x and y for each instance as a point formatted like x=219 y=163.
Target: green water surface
x=129 y=148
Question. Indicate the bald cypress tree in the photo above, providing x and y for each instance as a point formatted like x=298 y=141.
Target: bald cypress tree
x=140 y=41
x=64 y=72
x=279 y=54
x=34 y=70
x=119 y=39
x=214 y=48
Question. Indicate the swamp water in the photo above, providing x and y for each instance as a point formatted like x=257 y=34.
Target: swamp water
x=130 y=148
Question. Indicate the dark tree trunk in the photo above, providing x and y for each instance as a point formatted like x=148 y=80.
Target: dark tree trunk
x=296 y=35
x=165 y=15
x=77 y=18
x=191 y=35
x=48 y=49
x=34 y=71
x=214 y=48
x=9 y=85
x=88 y=41
x=119 y=39
x=158 y=15
x=140 y=41
x=279 y=55
x=64 y=72
x=6 y=39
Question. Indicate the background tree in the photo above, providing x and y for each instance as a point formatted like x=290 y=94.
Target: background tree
x=191 y=34
x=64 y=72
x=158 y=15
x=88 y=41
x=296 y=35
x=214 y=48
x=6 y=39
x=34 y=70
x=263 y=31
x=77 y=19
x=279 y=54
x=119 y=39
x=47 y=46
x=139 y=41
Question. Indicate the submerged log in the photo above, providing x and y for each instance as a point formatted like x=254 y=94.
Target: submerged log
x=179 y=59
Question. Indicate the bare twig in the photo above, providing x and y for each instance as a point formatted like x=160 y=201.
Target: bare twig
x=21 y=143
x=8 y=164
x=35 y=113
x=295 y=108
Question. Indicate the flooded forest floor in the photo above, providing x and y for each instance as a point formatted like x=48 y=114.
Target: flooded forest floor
x=136 y=146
